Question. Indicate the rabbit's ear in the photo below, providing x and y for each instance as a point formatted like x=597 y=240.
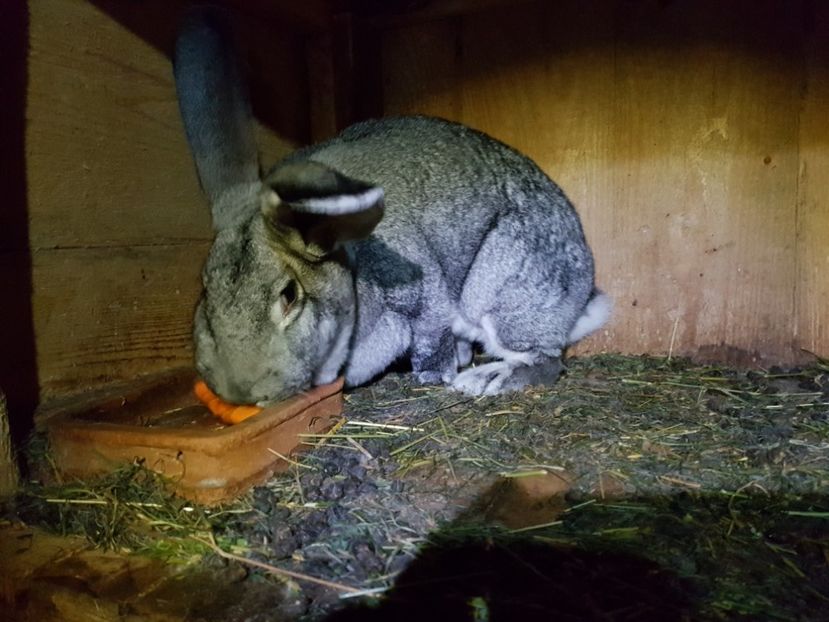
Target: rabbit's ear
x=216 y=111
x=323 y=206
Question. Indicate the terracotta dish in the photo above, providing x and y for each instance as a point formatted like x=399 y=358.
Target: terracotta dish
x=163 y=425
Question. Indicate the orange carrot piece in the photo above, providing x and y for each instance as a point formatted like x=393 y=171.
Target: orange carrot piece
x=228 y=413
x=202 y=391
x=240 y=413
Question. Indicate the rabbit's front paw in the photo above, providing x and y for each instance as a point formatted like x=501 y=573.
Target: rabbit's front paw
x=428 y=377
x=487 y=379
x=434 y=377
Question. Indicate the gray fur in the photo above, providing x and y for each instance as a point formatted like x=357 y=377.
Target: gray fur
x=214 y=105
x=475 y=244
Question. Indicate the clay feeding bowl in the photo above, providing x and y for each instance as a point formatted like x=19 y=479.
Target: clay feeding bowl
x=162 y=424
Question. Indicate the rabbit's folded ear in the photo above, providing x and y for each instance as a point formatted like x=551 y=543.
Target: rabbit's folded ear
x=322 y=206
x=214 y=106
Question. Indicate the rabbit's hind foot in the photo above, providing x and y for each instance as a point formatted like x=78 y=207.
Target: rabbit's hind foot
x=500 y=377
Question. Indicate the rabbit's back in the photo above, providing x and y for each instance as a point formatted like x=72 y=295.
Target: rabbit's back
x=448 y=186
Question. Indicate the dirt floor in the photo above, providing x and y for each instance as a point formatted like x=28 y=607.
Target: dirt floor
x=635 y=489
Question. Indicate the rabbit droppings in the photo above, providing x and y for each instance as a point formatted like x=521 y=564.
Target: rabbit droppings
x=408 y=237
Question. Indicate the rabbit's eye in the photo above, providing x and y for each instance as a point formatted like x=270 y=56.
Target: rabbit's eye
x=288 y=306
x=288 y=297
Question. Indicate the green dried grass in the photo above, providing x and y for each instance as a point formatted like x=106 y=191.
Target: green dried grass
x=128 y=510
x=719 y=475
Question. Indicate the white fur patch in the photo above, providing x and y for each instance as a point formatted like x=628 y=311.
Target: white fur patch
x=338 y=354
x=467 y=330
x=485 y=379
x=487 y=335
x=493 y=345
x=344 y=203
x=596 y=313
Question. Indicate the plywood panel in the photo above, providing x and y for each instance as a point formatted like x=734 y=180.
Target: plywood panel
x=112 y=314
x=117 y=226
x=421 y=70
x=706 y=166
x=674 y=128
x=106 y=153
x=533 y=80
x=321 y=88
x=812 y=298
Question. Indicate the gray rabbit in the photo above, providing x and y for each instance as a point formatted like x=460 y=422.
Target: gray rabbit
x=402 y=238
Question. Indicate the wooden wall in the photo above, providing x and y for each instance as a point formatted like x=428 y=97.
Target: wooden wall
x=691 y=134
x=693 y=137
x=117 y=227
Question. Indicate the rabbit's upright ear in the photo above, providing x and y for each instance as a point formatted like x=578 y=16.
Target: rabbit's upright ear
x=315 y=209
x=216 y=111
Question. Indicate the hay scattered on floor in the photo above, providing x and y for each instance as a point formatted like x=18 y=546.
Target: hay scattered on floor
x=128 y=510
x=716 y=475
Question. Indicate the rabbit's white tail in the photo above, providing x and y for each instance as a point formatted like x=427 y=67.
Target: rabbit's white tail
x=596 y=313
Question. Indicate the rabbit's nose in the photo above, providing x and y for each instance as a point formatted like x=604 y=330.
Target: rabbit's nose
x=234 y=391
x=221 y=384
x=266 y=391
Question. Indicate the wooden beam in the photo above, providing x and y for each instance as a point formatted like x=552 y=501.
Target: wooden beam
x=18 y=371
x=390 y=13
x=345 y=75
x=308 y=16
x=8 y=464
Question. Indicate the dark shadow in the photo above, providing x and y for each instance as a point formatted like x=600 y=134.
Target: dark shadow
x=273 y=40
x=586 y=568
x=527 y=581
x=474 y=569
x=18 y=364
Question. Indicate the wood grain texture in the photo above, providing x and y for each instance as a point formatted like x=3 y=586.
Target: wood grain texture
x=118 y=228
x=107 y=314
x=691 y=135
x=106 y=153
x=421 y=73
x=321 y=88
x=677 y=131
x=812 y=293
x=8 y=461
x=705 y=182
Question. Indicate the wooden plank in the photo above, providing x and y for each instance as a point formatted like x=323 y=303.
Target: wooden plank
x=8 y=462
x=321 y=89
x=705 y=168
x=275 y=62
x=106 y=154
x=345 y=70
x=812 y=294
x=674 y=129
x=540 y=78
x=422 y=72
x=104 y=315
x=345 y=76
x=107 y=160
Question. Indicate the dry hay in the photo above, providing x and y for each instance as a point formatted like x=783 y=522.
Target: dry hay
x=715 y=477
